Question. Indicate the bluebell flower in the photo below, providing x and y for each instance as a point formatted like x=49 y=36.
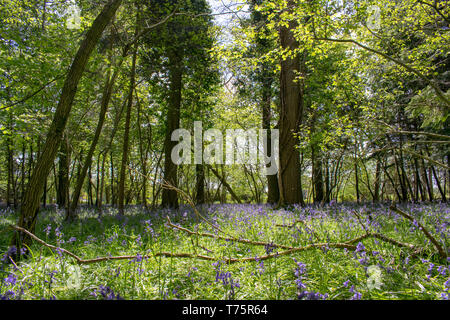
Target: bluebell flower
x=10 y=279
x=356 y=296
x=8 y=295
x=72 y=239
x=311 y=295
x=360 y=247
x=47 y=230
x=9 y=253
x=107 y=293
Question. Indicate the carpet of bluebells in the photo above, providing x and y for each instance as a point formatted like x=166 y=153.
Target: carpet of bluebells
x=375 y=270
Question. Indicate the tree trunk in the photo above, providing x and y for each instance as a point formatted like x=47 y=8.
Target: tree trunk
x=327 y=181
x=35 y=188
x=376 y=192
x=200 y=184
x=142 y=154
x=273 y=192
x=9 y=170
x=355 y=160
x=291 y=109
x=170 y=197
x=317 y=176
x=89 y=187
x=102 y=182
x=126 y=136
x=22 y=174
x=63 y=173
x=113 y=192
x=224 y=183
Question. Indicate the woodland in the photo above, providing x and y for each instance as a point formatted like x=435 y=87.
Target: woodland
x=353 y=98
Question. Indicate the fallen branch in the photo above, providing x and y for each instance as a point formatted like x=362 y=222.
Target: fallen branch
x=436 y=244
x=289 y=250
x=384 y=238
x=109 y=258
x=210 y=235
x=295 y=223
x=348 y=244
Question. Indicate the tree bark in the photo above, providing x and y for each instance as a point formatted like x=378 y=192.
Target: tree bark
x=291 y=110
x=376 y=192
x=126 y=137
x=355 y=160
x=63 y=173
x=200 y=184
x=317 y=176
x=143 y=155
x=170 y=197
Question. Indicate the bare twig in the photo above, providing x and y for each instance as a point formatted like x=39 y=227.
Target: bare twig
x=359 y=220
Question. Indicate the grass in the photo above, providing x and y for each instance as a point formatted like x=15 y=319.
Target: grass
x=377 y=270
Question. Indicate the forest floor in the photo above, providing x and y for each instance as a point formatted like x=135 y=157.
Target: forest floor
x=187 y=257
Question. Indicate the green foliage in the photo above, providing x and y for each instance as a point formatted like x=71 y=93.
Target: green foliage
x=329 y=270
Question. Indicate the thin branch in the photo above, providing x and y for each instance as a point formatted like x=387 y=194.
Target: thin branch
x=360 y=222
x=34 y=93
x=436 y=88
x=440 y=136
x=436 y=244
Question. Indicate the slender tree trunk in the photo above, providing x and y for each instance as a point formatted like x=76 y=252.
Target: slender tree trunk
x=142 y=154
x=10 y=171
x=30 y=164
x=436 y=178
x=427 y=182
x=44 y=13
x=376 y=192
x=126 y=137
x=35 y=188
x=102 y=182
x=22 y=173
x=317 y=176
x=438 y=183
x=63 y=173
x=355 y=161
x=327 y=181
x=113 y=192
x=273 y=192
x=420 y=186
x=97 y=189
x=225 y=183
x=430 y=179
x=89 y=187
